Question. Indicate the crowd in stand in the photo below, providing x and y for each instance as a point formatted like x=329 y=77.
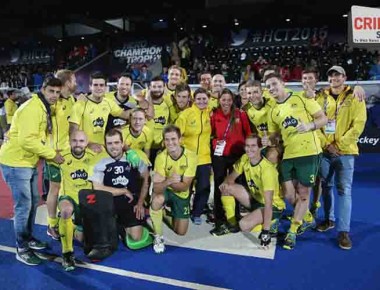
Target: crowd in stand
x=32 y=73
x=289 y=60
x=197 y=53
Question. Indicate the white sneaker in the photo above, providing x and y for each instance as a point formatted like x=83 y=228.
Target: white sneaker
x=158 y=244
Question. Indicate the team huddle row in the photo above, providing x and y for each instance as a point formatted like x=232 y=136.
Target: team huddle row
x=268 y=146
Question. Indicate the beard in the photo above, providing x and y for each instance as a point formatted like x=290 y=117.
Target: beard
x=156 y=95
x=78 y=151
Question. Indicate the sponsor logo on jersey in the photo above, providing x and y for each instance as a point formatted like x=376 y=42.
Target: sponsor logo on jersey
x=263 y=127
x=98 y=122
x=290 y=122
x=79 y=174
x=160 y=120
x=120 y=180
x=119 y=122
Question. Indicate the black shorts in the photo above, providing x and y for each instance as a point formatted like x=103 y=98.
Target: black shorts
x=124 y=211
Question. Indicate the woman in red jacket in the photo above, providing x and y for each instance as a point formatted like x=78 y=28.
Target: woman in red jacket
x=230 y=127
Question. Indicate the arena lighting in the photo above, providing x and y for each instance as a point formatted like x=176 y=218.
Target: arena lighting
x=344 y=15
x=287 y=19
x=181 y=28
x=236 y=23
x=161 y=20
x=204 y=26
x=60 y=40
x=82 y=37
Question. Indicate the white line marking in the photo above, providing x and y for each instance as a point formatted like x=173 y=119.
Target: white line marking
x=135 y=275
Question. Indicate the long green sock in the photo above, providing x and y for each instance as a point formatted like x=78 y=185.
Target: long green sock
x=66 y=231
x=229 y=208
x=156 y=216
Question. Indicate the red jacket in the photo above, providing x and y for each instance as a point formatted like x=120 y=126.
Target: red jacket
x=237 y=132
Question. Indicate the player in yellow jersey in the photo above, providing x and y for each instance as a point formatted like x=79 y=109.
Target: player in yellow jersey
x=181 y=100
x=161 y=115
x=296 y=119
x=261 y=194
x=174 y=171
x=328 y=105
x=59 y=141
x=10 y=106
x=91 y=114
x=174 y=78
x=258 y=113
x=137 y=135
x=75 y=172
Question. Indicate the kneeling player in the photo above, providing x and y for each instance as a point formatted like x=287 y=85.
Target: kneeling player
x=261 y=195
x=74 y=178
x=114 y=172
x=174 y=171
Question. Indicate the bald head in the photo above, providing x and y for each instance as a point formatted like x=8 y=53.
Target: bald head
x=218 y=83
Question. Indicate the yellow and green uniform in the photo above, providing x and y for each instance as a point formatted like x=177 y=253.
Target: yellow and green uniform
x=158 y=123
x=260 y=178
x=27 y=136
x=91 y=117
x=142 y=141
x=286 y=116
x=165 y=165
x=185 y=166
x=196 y=132
x=350 y=116
x=74 y=172
x=10 y=110
x=60 y=137
x=62 y=111
x=259 y=117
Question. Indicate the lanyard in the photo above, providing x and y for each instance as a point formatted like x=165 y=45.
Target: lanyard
x=226 y=131
x=341 y=103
